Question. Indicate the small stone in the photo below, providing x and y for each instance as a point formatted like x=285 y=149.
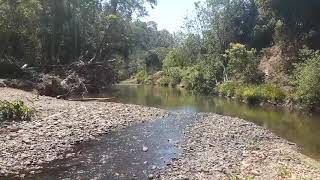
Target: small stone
x=145 y=149
x=182 y=177
x=150 y=176
x=154 y=167
x=255 y=173
x=26 y=140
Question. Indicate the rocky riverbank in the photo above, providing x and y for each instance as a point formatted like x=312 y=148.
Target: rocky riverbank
x=216 y=147
x=220 y=147
x=57 y=126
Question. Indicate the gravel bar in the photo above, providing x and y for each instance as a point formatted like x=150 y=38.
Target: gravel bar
x=57 y=126
x=221 y=147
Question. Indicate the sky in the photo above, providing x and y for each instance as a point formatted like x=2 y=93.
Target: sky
x=170 y=14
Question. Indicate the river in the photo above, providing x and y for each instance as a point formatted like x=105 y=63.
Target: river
x=300 y=127
x=120 y=154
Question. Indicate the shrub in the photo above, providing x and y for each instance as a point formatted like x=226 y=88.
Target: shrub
x=176 y=58
x=271 y=93
x=188 y=77
x=174 y=75
x=197 y=79
x=251 y=94
x=228 y=88
x=14 y=111
x=141 y=76
x=164 y=81
x=307 y=79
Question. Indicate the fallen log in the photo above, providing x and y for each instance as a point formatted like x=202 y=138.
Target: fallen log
x=92 y=99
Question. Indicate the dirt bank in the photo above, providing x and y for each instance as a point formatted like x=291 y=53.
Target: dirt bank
x=221 y=147
x=57 y=126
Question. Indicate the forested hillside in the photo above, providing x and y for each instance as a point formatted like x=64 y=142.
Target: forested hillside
x=255 y=50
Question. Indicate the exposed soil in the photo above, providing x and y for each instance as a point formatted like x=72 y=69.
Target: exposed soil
x=57 y=126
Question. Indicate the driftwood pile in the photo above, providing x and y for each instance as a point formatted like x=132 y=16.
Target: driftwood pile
x=62 y=81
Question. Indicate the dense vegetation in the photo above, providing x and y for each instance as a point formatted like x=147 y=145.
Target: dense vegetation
x=256 y=50
x=45 y=32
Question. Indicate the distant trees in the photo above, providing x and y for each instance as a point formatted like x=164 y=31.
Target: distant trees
x=42 y=32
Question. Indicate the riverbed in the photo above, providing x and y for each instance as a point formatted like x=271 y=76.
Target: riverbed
x=299 y=127
x=118 y=140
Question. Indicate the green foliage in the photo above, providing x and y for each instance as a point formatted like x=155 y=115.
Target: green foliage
x=271 y=93
x=251 y=93
x=243 y=64
x=152 y=62
x=164 y=81
x=176 y=58
x=194 y=79
x=307 y=78
x=174 y=75
x=141 y=77
x=228 y=88
x=14 y=111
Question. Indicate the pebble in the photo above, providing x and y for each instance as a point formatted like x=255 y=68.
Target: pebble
x=150 y=176
x=145 y=149
x=59 y=124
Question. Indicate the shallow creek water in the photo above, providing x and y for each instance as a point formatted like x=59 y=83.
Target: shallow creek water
x=300 y=127
x=120 y=155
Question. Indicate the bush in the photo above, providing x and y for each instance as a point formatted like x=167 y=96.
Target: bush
x=142 y=76
x=195 y=78
x=164 y=81
x=14 y=111
x=172 y=77
x=228 y=88
x=272 y=93
x=250 y=93
x=307 y=79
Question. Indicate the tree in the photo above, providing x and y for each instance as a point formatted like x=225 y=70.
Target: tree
x=243 y=64
x=307 y=78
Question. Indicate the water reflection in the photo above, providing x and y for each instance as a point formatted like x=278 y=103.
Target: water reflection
x=297 y=127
